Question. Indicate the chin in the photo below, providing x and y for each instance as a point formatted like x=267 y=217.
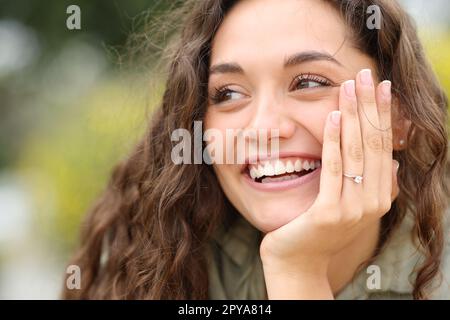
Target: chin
x=271 y=215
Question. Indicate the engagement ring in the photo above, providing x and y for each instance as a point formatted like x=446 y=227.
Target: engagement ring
x=356 y=178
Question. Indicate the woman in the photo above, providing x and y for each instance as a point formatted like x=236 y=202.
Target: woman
x=331 y=214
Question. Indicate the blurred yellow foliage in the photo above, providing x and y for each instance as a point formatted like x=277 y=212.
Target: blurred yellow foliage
x=68 y=164
x=438 y=52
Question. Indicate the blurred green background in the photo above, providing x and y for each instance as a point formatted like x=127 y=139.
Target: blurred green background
x=69 y=110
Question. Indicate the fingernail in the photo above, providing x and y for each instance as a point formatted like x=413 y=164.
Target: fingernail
x=336 y=117
x=366 y=77
x=349 y=87
x=386 y=88
x=397 y=164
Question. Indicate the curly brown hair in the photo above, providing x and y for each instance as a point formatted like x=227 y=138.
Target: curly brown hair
x=146 y=236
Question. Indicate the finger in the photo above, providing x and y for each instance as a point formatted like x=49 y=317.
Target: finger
x=383 y=98
x=331 y=171
x=395 y=188
x=352 y=150
x=371 y=137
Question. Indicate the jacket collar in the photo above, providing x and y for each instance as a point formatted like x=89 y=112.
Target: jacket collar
x=238 y=239
x=397 y=262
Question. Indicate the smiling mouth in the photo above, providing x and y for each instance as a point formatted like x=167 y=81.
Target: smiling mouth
x=280 y=170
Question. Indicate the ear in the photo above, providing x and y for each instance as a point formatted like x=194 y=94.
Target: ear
x=400 y=127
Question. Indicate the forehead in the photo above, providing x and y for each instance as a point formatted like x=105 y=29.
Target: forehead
x=276 y=28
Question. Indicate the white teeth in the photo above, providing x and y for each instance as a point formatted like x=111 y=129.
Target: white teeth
x=268 y=169
x=298 y=165
x=260 y=171
x=253 y=173
x=279 y=167
x=289 y=167
x=306 y=165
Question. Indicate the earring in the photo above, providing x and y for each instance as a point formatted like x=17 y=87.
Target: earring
x=401 y=142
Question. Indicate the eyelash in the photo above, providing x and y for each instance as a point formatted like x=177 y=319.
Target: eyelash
x=218 y=93
x=314 y=78
x=217 y=96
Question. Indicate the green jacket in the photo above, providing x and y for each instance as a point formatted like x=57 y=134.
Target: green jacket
x=235 y=269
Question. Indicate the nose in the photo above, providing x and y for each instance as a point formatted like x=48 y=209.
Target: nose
x=269 y=117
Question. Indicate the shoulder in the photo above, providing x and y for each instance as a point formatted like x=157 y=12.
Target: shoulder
x=402 y=257
x=396 y=268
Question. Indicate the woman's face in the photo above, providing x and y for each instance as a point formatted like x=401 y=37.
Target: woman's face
x=287 y=59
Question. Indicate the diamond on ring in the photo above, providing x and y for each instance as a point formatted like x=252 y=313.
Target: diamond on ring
x=356 y=178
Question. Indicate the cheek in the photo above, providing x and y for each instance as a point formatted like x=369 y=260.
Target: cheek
x=312 y=115
x=228 y=127
x=224 y=174
x=227 y=120
x=228 y=177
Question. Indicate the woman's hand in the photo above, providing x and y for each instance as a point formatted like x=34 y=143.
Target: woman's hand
x=357 y=140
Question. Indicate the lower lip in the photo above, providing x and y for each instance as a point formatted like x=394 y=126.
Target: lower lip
x=283 y=185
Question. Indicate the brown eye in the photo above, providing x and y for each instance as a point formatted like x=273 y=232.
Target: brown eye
x=309 y=82
x=305 y=84
x=225 y=94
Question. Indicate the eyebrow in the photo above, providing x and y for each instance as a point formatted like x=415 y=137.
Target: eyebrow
x=293 y=60
x=308 y=56
x=228 y=67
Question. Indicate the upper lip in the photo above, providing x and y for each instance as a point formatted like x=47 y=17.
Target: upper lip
x=285 y=154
